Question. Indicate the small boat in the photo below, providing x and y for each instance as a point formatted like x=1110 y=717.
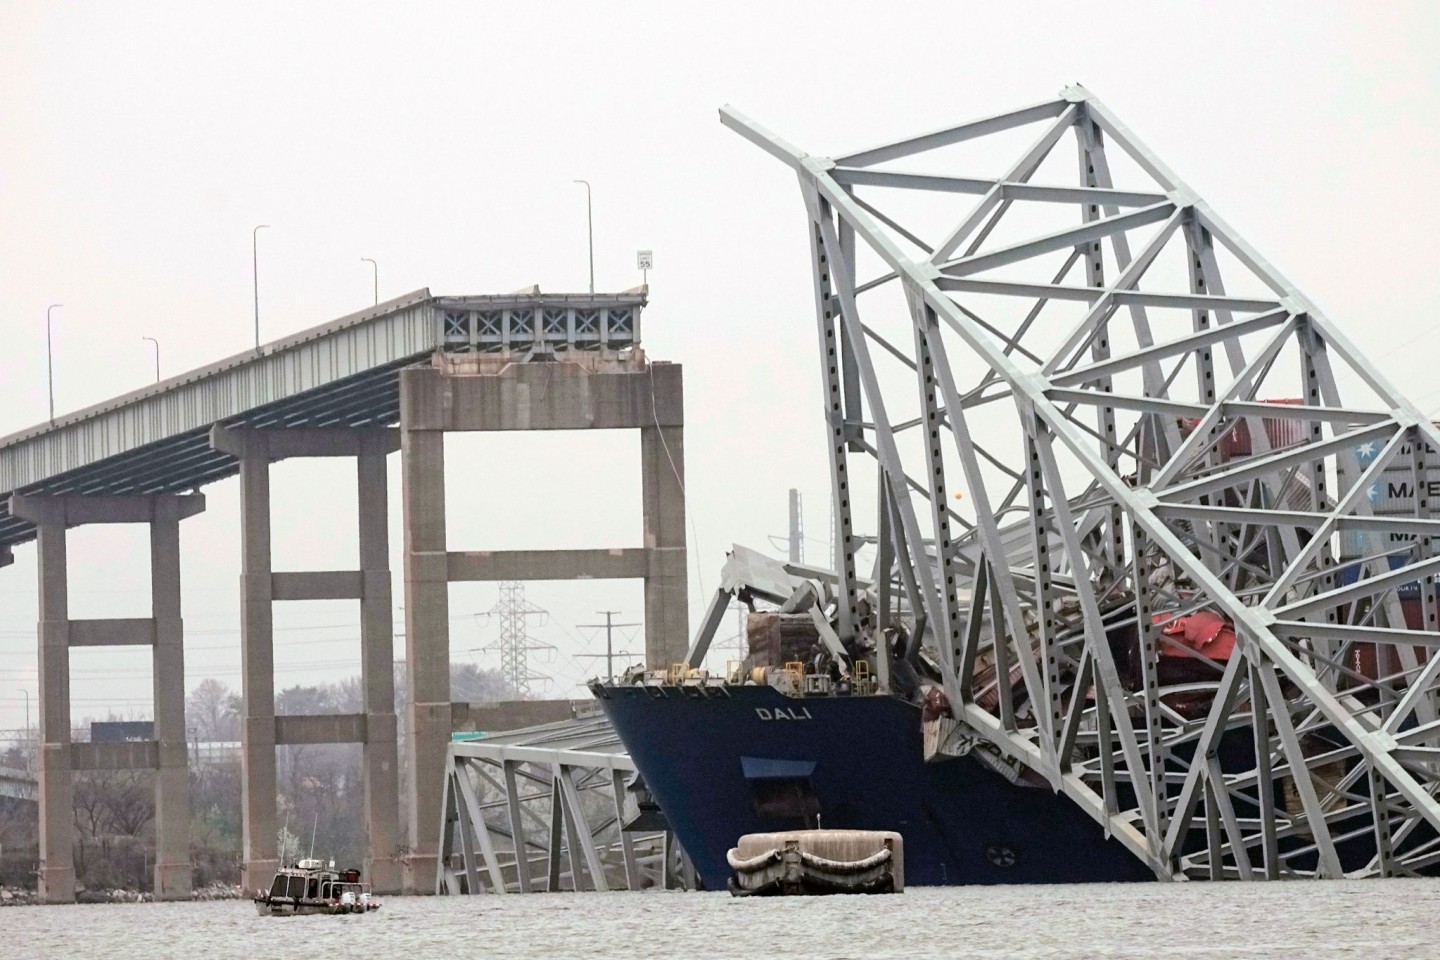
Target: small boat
x=313 y=887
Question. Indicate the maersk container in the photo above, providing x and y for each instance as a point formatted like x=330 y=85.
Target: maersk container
x=1393 y=492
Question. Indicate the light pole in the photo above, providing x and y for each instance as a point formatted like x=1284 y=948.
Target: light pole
x=157 y=356
x=255 y=275
x=49 y=361
x=375 y=271
x=27 y=728
x=590 y=227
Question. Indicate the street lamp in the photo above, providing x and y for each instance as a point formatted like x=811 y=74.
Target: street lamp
x=49 y=361
x=157 y=356
x=28 y=751
x=255 y=275
x=375 y=271
x=590 y=225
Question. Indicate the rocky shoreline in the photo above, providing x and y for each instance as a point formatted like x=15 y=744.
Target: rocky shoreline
x=20 y=897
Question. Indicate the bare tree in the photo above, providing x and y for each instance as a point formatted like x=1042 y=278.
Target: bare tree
x=212 y=711
x=130 y=801
x=89 y=805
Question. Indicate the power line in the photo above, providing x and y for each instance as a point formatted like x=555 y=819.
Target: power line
x=203 y=672
x=30 y=634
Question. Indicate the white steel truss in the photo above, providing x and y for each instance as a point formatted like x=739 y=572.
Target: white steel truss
x=545 y=809
x=1144 y=422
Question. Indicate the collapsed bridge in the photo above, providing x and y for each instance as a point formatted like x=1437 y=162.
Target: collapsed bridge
x=392 y=379
x=1175 y=585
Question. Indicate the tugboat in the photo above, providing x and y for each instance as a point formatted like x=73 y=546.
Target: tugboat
x=313 y=887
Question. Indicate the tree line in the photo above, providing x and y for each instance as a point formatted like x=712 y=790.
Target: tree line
x=321 y=799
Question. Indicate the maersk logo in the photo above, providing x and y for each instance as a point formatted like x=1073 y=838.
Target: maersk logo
x=783 y=713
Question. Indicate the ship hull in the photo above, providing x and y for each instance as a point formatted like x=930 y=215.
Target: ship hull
x=705 y=760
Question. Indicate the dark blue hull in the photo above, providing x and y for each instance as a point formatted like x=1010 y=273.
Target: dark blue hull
x=962 y=822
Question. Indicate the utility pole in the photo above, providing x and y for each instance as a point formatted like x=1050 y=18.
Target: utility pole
x=797 y=527
x=29 y=748
x=742 y=639
x=609 y=653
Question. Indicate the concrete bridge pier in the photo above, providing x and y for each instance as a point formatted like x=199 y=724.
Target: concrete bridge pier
x=166 y=754
x=482 y=392
x=261 y=587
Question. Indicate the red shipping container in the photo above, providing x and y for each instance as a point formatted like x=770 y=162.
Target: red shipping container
x=1281 y=433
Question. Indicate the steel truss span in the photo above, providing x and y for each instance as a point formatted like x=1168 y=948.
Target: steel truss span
x=551 y=808
x=1189 y=579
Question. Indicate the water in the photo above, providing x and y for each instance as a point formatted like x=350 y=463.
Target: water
x=1373 y=919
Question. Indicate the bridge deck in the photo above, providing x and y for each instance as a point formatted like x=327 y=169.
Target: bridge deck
x=342 y=373
x=17 y=784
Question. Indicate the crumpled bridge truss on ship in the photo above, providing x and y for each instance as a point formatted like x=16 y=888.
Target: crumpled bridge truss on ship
x=1080 y=348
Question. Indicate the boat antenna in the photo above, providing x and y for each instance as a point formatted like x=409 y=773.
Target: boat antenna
x=283 y=844
x=313 y=828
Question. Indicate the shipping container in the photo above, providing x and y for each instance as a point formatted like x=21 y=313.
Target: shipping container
x=1280 y=432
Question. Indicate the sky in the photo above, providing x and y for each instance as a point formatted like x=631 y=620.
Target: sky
x=140 y=143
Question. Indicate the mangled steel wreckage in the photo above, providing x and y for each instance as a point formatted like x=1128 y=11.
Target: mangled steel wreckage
x=1152 y=590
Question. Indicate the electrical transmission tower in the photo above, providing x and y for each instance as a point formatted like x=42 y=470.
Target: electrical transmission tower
x=515 y=645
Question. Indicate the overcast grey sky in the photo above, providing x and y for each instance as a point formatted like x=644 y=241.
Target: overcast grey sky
x=140 y=143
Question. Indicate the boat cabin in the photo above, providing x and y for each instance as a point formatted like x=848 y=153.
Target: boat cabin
x=314 y=887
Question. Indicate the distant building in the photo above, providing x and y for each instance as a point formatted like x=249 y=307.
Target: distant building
x=214 y=753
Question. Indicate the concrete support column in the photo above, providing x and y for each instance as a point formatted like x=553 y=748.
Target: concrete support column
x=381 y=761
x=166 y=754
x=427 y=621
x=261 y=586
x=173 y=873
x=257 y=671
x=484 y=393
x=667 y=599
x=57 y=789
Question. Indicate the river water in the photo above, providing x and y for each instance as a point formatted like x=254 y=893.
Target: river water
x=1373 y=919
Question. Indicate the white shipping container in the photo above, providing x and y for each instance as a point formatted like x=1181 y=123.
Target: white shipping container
x=1392 y=494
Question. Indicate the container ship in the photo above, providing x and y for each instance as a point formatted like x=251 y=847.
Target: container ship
x=744 y=759
x=790 y=739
